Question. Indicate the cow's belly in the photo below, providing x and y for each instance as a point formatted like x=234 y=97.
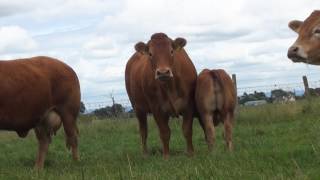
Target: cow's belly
x=23 y=113
x=17 y=124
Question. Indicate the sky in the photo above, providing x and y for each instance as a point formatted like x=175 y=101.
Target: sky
x=96 y=38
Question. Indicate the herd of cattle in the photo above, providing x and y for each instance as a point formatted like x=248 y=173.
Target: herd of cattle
x=43 y=93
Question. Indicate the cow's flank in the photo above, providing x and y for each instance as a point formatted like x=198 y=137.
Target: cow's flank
x=39 y=93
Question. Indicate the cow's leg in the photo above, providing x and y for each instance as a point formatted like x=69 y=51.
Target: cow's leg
x=228 y=130
x=71 y=131
x=202 y=126
x=164 y=130
x=187 y=130
x=44 y=140
x=209 y=129
x=143 y=128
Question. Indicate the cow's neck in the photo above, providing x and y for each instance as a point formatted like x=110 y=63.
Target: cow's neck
x=170 y=92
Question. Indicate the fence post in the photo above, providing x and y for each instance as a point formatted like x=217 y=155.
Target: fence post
x=306 y=86
x=234 y=79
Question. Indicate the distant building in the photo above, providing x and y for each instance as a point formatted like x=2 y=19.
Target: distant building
x=255 y=103
x=290 y=97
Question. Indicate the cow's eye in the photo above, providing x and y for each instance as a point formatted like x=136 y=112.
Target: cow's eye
x=171 y=52
x=317 y=31
x=150 y=54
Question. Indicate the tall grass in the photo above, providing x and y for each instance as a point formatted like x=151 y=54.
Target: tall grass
x=276 y=141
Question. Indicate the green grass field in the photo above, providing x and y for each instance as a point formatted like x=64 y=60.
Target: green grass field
x=271 y=142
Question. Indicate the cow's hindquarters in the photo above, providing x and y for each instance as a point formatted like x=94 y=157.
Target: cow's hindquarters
x=215 y=103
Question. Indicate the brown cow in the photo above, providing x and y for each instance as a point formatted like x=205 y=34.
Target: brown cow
x=39 y=93
x=306 y=49
x=160 y=79
x=216 y=101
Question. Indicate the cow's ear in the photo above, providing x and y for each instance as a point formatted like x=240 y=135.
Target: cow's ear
x=141 y=47
x=179 y=43
x=295 y=25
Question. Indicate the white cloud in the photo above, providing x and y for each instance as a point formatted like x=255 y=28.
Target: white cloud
x=100 y=47
x=43 y=10
x=15 y=39
x=96 y=37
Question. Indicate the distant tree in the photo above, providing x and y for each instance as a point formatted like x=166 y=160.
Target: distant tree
x=260 y=95
x=102 y=112
x=252 y=97
x=110 y=111
x=82 y=107
x=314 y=92
x=278 y=93
x=115 y=110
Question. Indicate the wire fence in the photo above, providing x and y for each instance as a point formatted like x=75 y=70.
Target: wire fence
x=298 y=88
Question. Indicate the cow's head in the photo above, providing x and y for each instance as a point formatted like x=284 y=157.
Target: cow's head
x=307 y=47
x=160 y=51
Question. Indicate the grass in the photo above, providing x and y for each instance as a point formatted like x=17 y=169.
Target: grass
x=280 y=141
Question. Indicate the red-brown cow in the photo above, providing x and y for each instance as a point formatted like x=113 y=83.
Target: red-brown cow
x=160 y=79
x=306 y=49
x=216 y=101
x=40 y=93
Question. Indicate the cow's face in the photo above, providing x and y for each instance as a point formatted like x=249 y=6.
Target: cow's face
x=160 y=51
x=307 y=47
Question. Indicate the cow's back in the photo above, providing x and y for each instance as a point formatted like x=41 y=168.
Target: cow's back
x=32 y=86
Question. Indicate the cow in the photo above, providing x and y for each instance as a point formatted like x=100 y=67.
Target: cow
x=160 y=79
x=306 y=48
x=215 y=98
x=40 y=93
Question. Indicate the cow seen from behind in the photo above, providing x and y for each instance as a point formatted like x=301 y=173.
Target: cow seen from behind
x=216 y=102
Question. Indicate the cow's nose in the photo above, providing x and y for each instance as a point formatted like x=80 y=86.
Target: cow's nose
x=293 y=51
x=163 y=74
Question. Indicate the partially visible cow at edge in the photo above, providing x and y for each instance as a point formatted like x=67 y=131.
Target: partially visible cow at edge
x=216 y=102
x=306 y=49
x=40 y=93
x=160 y=79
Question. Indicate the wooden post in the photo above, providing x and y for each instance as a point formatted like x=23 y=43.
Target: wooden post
x=234 y=79
x=306 y=86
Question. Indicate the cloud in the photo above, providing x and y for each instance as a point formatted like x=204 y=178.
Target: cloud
x=100 y=47
x=96 y=37
x=15 y=39
x=12 y=7
x=42 y=10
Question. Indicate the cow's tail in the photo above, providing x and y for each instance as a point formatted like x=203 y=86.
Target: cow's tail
x=227 y=90
x=218 y=91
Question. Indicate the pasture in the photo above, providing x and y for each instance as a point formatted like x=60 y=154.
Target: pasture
x=275 y=141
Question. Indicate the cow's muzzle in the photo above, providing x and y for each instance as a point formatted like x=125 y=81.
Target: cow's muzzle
x=164 y=74
x=295 y=54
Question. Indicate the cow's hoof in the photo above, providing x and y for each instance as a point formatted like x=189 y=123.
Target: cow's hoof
x=145 y=155
x=190 y=154
x=210 y=148
x=37 y=167
x=166 y=156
